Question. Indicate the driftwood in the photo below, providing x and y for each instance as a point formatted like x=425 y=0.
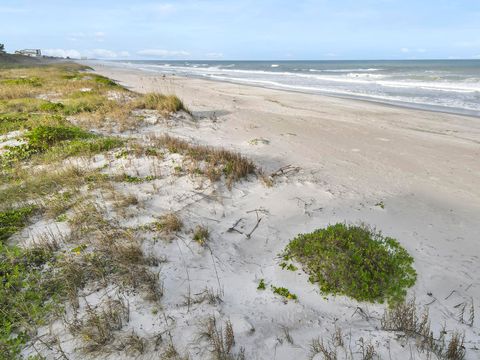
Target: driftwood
x=285 y=170
x=259 y=219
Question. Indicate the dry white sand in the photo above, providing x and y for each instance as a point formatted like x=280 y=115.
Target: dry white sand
x=424 y=167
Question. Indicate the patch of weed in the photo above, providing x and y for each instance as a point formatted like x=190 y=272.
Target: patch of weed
x=14 y=220
x=201 y=235
x=284 y=292
x=28 y=293
x=261 y=285
x=355 y=261
x=33 y=81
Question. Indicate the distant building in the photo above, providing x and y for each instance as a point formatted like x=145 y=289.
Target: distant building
x=2 y=48
x=29 y=52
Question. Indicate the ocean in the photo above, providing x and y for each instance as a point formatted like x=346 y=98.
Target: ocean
x=441 y=85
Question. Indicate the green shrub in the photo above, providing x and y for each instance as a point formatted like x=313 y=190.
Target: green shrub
x=28 y=293
x=355 y=261
x=21 y=121
x=42 y=137
x=13 y=220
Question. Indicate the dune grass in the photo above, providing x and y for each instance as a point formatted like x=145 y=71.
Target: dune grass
x=161 y=102
x=356 y=261
x=66 y=90
x=233 y=166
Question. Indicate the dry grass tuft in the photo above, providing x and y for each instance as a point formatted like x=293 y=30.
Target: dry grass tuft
x=168 y=223
x=98 y=328
x=219 y=161
x=221 y=340
x=403 y=318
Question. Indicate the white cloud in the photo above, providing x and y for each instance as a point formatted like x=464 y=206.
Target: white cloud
x=331 y=54
x=421 y=50
x=405 y=50
x=102 y=53
x=163 y=53
x=98 y=36
x=214 y=55
x=94 y=53
x=75 y=54
x=163 y=8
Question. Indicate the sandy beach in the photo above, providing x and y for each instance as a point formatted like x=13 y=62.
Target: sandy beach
x=412 y=174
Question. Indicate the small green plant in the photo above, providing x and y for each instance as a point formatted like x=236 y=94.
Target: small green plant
x=61 y=218
x=261 y=285
x=13 y=220
x=290 y=267
x=201 y=235
x=356 y=261
x=380 y=204
x=178 y=170
x=284 y=292
x=132 y=179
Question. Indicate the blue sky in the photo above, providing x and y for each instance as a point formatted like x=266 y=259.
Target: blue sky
x=249 y=29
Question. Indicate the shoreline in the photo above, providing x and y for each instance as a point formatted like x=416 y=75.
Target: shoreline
x=402 y=104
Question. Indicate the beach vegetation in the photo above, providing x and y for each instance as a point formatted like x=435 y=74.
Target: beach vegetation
x=261 y=285
x=14 y=220
x=282 y=291
x=162 y=103
x=169 y=223
x=406 y=318
x=355 y=261
x=233 y=165
x=221 y=339
x=201 y=234
x=29 y=292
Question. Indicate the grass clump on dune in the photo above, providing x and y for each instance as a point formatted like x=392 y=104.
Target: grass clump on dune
x=355 y=261
x=219 y=161
x=160 y=102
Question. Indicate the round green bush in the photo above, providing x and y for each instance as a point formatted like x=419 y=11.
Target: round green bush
x=356 y=261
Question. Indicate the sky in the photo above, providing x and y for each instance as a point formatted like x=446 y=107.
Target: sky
x=244 y=30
